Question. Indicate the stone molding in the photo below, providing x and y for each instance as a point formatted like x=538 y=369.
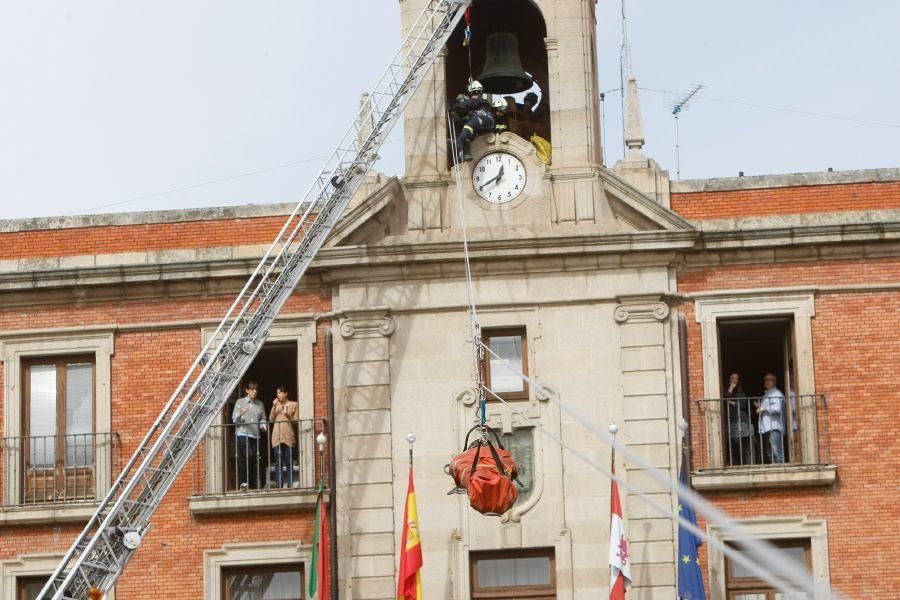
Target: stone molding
x=367 y=324
x=768 y=476
x=248 y=555
x=30 y=565
x=640 y=309
x=300 y=330
x=13 y=349
x=770 y=528
x=800 y=306
x=287 y=500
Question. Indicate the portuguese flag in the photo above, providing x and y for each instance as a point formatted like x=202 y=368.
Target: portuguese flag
x=320 y=571
x=409 y=579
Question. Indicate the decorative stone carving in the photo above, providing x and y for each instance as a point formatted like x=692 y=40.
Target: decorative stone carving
x=467 y=397
x=367 y=324
x=641 y=310
x=543 y=392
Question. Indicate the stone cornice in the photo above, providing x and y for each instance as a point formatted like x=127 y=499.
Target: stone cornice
x=206 y=270
x=218 y=213
x=727 y=184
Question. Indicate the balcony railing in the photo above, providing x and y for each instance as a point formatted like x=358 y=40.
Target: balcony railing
x=54 y=469
x=734 y=435
x=241 y=460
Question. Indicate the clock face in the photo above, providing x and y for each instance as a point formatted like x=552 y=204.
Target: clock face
x=499 y=177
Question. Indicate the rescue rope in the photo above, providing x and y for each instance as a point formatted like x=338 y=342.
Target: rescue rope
x=478 y=355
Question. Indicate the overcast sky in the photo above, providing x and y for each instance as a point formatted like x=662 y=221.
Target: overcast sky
x=106 y=106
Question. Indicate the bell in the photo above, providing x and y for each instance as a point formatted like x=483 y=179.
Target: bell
x=503 y=72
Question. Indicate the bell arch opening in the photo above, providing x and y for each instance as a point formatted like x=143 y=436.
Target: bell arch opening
x=509 y=57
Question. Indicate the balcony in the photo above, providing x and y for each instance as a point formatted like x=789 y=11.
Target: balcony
x=56 y=477
x=237 y=472
x=732 y=452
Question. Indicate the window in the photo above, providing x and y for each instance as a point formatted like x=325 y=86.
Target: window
x=28 y=588
x=276 y=364
x=758 y=349
x=514 y=574
x=741 y=584
x=276 y=582
x=754 y=333
x=511 y=346
x=58 y=428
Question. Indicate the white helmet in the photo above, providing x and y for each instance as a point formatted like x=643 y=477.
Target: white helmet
x=500 y=103
x=475 y=87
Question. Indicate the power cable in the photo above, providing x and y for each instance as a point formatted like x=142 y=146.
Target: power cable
x=210 y=182
x=780 y=109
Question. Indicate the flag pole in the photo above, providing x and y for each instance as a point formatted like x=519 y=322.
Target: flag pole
x=613 y=430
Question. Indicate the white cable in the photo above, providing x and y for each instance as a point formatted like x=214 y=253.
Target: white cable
x=664 y=510
x=477 y=353
x=760 y=551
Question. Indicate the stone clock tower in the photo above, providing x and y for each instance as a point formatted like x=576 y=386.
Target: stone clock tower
x=569 y=280
x=556 y=44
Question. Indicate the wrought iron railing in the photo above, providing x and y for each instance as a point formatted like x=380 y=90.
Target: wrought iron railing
x=754 y=432
x=253 y=458
x=54 y=469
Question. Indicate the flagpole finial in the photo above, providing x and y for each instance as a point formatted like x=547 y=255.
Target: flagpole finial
x=683 y=425
x=410 y=437
x=614 y=429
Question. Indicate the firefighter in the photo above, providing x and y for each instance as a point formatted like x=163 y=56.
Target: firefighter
x=501 y=118
x=480 y=118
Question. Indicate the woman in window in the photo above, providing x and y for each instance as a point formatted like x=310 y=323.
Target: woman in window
x=740 y=430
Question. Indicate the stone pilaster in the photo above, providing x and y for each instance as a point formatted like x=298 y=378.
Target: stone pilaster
x=366 y=521
x=645 y=341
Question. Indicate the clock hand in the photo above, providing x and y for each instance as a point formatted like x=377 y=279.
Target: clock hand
x=492 y=180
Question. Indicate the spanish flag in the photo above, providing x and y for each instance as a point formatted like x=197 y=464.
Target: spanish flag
x=409 y=579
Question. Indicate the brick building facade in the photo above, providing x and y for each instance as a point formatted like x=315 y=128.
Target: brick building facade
x=807 y=262
x=589 y=278
x=799 y=276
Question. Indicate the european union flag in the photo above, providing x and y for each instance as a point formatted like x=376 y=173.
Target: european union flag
x=690 y=578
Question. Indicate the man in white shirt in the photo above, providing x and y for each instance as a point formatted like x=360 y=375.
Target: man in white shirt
x=770 y=409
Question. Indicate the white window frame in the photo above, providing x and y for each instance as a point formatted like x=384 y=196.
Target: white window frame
x=250 y=555
x=30 y=565
x=14 y=348
x=770 y=528
x=709 y=309
x=301 y=331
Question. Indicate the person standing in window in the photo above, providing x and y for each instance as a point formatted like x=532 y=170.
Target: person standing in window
x=249 y=417
x=771 y=420
x=740 y=431
x=284 y=419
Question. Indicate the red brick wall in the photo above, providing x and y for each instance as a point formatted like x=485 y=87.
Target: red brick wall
x=787 y=200
x=131 y=238
x=146 y=368
x=855 y=345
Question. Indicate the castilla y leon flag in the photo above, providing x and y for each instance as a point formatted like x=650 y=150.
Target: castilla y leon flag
x=619 y=568
x=320 y=572
x=409 y=579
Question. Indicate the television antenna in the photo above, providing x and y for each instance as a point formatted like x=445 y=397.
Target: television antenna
x=678 y=107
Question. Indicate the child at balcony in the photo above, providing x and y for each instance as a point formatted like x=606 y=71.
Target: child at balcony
x=284 y=420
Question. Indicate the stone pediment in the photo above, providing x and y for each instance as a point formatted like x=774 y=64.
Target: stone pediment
x=556 y=203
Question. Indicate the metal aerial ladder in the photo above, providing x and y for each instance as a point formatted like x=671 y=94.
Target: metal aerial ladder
x=97 y=558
